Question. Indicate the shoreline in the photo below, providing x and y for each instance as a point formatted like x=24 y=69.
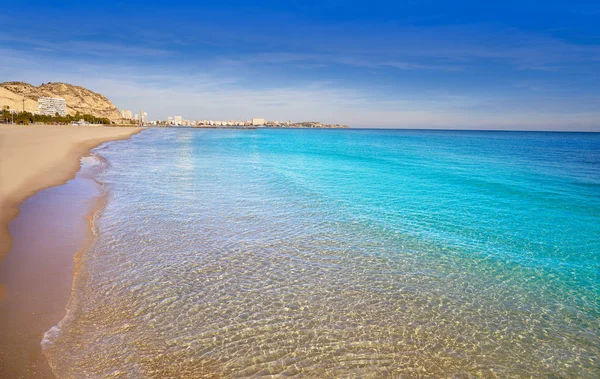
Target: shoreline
x=100 y=202
x=46 y=224
x=65 y=164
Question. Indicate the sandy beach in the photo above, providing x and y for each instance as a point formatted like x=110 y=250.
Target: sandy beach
x=36 y=251
x=37 y=157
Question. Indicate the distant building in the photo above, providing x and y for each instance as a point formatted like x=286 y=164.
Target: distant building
x=136 y=117
x=126 y=113
x=144 y=116
x=258 y=121
x=178 y=120
x=49 y=106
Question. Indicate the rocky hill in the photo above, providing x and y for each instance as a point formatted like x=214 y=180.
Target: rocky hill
x=78 y=99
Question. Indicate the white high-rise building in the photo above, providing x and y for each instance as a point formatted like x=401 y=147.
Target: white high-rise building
x=136 y=117
x=258 y=121
x=49 y=106
x=144 y=116
x=127 y=114
x=178 y=120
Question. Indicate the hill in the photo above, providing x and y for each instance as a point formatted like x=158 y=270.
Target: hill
x=79 y=99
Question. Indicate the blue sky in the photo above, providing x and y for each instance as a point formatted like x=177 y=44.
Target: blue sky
x=413 y=64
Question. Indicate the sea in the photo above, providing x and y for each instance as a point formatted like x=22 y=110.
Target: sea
x=339 y=253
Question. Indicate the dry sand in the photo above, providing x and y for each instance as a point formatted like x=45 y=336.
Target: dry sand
x=38 y=271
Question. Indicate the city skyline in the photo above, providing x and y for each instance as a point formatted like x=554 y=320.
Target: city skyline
x=127 y=114
x=425 y=65
x=254 y=121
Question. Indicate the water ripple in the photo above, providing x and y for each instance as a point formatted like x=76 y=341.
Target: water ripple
x=339 y=254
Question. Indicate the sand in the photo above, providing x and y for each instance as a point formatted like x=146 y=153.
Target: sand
x=36 y=157
x=35 y=277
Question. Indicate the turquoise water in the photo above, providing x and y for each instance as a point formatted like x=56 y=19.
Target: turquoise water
x=340 y=253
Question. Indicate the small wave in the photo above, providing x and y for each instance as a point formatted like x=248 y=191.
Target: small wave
x=90 y=160
x=50 y=337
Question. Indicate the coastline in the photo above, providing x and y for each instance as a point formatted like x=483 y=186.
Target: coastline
x=88 y=217
x=22 y=173
x=46 y=210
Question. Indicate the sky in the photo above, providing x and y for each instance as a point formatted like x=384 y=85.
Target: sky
x=526 y=65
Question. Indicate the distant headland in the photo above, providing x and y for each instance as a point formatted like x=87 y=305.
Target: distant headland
x=51 y=98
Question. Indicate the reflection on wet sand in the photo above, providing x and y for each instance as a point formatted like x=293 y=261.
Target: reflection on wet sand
x=37 y=274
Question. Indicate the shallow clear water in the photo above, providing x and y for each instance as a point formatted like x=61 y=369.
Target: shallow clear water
x=340 y=253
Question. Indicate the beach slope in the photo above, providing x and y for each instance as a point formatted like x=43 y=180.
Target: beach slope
x=36 y=157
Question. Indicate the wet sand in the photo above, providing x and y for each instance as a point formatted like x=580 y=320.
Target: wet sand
x=36 y=157
x=52 y=226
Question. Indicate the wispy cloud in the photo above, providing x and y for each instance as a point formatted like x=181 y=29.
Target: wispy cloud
x=82 y=47
x=326 y=59
x=412 y=47
x=102 y=48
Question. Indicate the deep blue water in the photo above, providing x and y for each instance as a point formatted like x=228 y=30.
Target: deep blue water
x=341 y=253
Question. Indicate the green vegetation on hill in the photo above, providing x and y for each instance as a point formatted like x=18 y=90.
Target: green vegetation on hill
x=26 y=118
